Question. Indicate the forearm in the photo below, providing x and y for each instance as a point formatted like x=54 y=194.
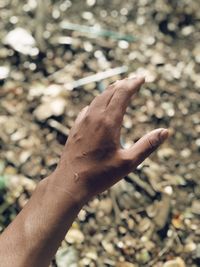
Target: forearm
x=92 y=161
x=35 y=235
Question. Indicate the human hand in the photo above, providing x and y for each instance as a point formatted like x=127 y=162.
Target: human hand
x=93 y=159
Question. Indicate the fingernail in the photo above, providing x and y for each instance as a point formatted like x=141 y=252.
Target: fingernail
x=163 y=135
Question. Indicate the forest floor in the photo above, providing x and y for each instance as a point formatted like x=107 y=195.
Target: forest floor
x=151 y=217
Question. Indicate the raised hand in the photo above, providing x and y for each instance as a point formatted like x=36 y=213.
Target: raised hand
x=93 y=159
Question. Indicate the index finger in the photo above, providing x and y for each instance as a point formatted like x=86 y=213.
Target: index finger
x=125 y=89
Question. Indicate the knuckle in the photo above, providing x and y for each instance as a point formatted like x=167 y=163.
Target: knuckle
x=105 y=122
x=99 y=118
x=108 y=122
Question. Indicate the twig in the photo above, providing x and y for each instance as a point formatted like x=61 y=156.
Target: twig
x=163 y=251
x=145 y=186
x=40 y=27
x=95 y=31
x=58 y=126
x=115 y=206
x=96 y=77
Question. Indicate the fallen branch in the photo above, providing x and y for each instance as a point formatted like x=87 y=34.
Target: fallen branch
x=96 y=77
x=96 y=31
x=58 y=127
x=142 y=184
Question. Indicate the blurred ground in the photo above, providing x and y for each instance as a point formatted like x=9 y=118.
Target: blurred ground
x=152 y=216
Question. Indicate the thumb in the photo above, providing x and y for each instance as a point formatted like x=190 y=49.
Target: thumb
x=145 y=146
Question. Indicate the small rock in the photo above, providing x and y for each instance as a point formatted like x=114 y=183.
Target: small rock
x=54 y=107
x=28 y=184
x=32 y=167
x=21 y=133
x=4 y=71
x=157 y=59
x=166 y=153
x=196 y=53
x=178 y=262
x=21 y=41
x=196 y=206
x=74 y=236
x=53 y=90
x=143 y=256
x=174 y=179
x=24 y=156
x=106 y=205
x=144 y=225
x=162 y=218
x=189 y=247
x=67 y=256
x=22 y=200
x=108 y=247
x=92 y=255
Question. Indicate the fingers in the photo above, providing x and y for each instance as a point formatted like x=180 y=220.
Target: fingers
x=125 y=89
x=144 y=147
x=117 y=96
x=100 y=102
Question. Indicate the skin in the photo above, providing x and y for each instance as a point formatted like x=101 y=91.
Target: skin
x=92 y=161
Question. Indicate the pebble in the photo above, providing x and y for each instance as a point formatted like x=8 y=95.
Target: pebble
x=166 y=153
x=189 y=247
x=143 y=256
x=144 y=225
x=54 y=107
x=106 y=205
x=157 y=59
x=174 y=179
x=108 y=247
x=92 y=255
x=196 y=206
x=67 y=256
x=178 y=262
x=196 y=53
x=21 y=41
x=4 y=71
x=74 y=236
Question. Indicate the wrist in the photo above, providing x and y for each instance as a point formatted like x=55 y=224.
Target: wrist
x=64 y=187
